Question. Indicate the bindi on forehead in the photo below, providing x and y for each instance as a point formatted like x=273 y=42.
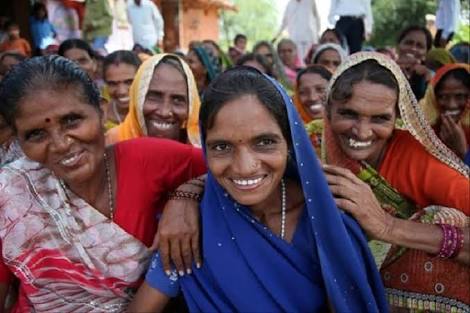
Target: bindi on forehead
x=47 y=120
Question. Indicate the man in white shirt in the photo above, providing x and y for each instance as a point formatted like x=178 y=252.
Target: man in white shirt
x=354 y=19
x=303 y=24
x=147 y=23
x=447 y=19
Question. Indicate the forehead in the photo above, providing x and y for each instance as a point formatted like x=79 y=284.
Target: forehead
x=76 y=54
x=167 y=77
x=245 y=114
x=120 y=71
x=311 y=79
x=286 y=46
x=451 y=83
x=370 y=99
x=329 y=54
x=263 y=49
x=415 y=35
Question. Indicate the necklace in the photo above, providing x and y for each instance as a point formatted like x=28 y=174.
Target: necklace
x=283 y=209
x=110 y=188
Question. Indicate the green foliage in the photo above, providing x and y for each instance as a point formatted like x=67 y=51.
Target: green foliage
x=257 y=19
x=392 y=16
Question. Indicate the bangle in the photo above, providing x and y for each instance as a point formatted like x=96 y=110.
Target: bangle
x=184 y=195
x=194 y=184
x=452 y=241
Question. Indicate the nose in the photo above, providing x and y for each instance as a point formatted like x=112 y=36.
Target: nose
x=164 y=108
x=122 y=90
x=314 y=96
x=60 y=143
x=362 y=130
x=245 y=163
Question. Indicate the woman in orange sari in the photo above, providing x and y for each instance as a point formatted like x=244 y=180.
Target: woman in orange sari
x=399 y=184
x=447 y=107
x=164 y=102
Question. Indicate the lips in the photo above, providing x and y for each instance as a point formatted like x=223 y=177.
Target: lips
x=452 y=113
x=123 y=99
x=358 y=144
x=247 y=183
x=71 y=160
x=162 y=125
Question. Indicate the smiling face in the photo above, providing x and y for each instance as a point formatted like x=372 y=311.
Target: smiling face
x=363 y=124
x=330 y=59
x=249 y=163
x=414 y=44
x=119 y=78
x=61 y=131
x=312 y=93
x=166 y=103
x=83 y=59
x=453 y=97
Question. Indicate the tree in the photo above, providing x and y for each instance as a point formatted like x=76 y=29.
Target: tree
x=391 y=17
x=257 y=19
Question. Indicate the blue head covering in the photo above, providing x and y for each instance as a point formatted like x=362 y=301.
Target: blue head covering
x=247 y=268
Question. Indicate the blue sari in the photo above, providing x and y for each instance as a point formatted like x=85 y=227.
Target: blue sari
x=247 y=268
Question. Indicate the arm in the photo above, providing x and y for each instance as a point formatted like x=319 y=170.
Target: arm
x=331 y=15
x=158 y=23
x=285 y=20
x=355 y=197
x=316 y=16
x=148 y=299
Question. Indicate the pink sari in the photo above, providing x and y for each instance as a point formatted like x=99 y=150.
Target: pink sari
x=66 y=255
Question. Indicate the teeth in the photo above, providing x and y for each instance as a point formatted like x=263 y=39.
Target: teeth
x=124 y=99
x=162 y=125
x=452 y=112
x=247 y=182
x=70 y=160
x=315 y=107
x=359 y=144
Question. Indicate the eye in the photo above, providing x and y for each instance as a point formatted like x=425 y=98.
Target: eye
x=220 y=147
x=381 y=118
x=179 y=100
x=266 y=142
x=35 y=135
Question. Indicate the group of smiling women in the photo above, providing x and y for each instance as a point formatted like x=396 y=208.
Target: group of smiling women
x=270 y=228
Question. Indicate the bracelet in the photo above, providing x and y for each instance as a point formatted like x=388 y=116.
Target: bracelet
x=194 y=184
x=184 y=195
x=452 y=241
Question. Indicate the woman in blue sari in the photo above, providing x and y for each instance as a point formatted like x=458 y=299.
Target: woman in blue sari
x=272 y=237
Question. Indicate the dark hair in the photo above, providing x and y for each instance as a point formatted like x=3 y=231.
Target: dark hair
x=369 y=70
x=257 y=58
x=284 y=41
x=38 y=6
x=75 y=44
x=413 y=28
x=238 y=82
x=314 y=69
x=12 y=24
x=121 y=56
x=15 y=55
x=335 y=31
x=43 y=73
x=238 y=37
x=460 y=74
x=319 y=54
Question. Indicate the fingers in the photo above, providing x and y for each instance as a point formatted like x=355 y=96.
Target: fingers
x=155 y=243
x=165 y=255
x=187 y=254
x=340 y=173
x=195 y=248
x=176 y=256
x=347 y=205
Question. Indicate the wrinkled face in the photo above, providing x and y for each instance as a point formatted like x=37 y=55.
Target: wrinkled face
x=264 y=51
x=119 y=78
x=329 y=37
x=312 y=94
x=198 y=69
x=58 y=129
x=250 y=162
x=330 y=59
x=166 y=103
x=363 y=124
x=287 y=53
x=256 y=65
x=83 y=59
x=453 y=97
x=414 y=43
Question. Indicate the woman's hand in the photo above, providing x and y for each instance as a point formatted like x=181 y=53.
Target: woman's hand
x=356 y=197
x=453 y=136
x=177 y=238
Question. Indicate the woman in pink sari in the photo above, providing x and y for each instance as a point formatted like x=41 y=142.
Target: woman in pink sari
x=76 y=218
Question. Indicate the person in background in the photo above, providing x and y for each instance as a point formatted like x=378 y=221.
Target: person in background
x=204 y=65
x=239 y=43
x=42 y=30
x=437 y=58
x=4 y=21
x=330 y=35
x=147 y=24
x=224 y=59
x=354 y=19
x=461 y=52
x=257 y=61
x=447 y=21
x=287 y=51
x=119 y=69
x=15 y=43
x=81 y=53
x=447 y=107
x=387 y=51
x=267 y=50
x=8 y=60
x=97 y=23
x=414 y=42
x=330 y=56
x=234 y=54
x=302 y=21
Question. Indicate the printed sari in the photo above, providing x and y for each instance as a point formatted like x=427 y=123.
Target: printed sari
x=248 y=268
x=134 y=125
x=66 y=255
x=414 y=280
